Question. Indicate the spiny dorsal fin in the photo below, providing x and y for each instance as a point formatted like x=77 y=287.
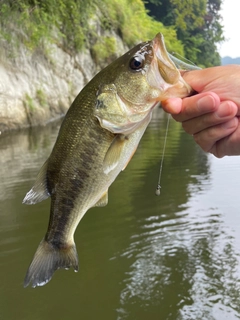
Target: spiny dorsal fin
x=39 y=190
x=113 y=154
x=103 y=201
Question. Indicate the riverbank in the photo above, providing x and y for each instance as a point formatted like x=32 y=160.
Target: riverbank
x=50 y=50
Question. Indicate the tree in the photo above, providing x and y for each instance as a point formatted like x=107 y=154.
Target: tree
x=198 y=25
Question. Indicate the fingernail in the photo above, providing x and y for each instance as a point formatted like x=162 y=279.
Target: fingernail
x=226 y=109
x=233 y=123
x=206 y=104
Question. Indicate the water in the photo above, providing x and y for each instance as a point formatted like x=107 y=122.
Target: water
x=171 y=257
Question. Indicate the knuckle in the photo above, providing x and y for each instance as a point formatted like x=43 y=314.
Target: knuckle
x=177 y=117
x=187 y=128
x=203 y=143
x=218 y=152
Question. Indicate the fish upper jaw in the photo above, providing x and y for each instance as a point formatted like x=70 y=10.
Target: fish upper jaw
x=163 y=73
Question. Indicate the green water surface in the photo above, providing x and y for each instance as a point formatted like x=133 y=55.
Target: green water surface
x=171 y=257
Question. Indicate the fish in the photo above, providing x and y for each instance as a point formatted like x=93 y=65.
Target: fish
x=97 y=139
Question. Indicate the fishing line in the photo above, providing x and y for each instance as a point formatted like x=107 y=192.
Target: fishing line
x=157 y=192
x=180 y=64
x=183 y=59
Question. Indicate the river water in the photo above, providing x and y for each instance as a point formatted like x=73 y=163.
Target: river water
x=171 y=257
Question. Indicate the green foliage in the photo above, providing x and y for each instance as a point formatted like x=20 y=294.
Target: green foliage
x=41 y=97
x=29 y=103
x=190 y=28
x=76 y=24
x=132 y=21
x=104 y=49
x=198 y=25
x=33 y=22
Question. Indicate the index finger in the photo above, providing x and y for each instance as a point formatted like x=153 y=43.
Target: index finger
x=197 y=105
x=199 y=79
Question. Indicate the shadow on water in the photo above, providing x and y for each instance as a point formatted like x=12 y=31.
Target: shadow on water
x=170 y=257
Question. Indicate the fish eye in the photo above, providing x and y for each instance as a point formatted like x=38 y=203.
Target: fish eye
x=136 y=63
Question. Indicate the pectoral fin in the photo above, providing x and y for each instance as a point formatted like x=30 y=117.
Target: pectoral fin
x=103 y=201
x=113 y=154
x=39 y=190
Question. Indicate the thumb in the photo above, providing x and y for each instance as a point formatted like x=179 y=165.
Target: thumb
x=172 y=105
x=197 y=79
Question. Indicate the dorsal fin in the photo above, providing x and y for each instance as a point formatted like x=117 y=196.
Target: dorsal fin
x=39 y=191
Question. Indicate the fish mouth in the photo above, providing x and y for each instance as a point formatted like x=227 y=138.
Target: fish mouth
x=166 y=67
x=164 y=74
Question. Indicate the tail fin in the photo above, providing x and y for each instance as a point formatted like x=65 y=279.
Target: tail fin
x=48 y=259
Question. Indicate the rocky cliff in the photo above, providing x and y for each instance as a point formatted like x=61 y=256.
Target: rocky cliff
x=37 y=87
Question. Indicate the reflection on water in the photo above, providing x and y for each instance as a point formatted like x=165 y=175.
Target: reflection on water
x=188 y=262
x=170 y=257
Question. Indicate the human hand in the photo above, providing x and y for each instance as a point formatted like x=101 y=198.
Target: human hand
x=213 y=115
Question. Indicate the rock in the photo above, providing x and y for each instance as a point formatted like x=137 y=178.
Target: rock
x=36 y=88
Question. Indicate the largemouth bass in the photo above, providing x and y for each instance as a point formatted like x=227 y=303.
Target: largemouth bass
x=97 y=139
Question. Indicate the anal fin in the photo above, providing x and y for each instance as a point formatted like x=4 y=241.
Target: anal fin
x=103 y=201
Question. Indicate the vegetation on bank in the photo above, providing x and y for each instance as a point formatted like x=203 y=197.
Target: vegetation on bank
x=76 y=24
x=191 y=28
x=198 y=26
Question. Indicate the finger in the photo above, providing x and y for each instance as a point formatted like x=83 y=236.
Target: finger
x=172 y=105
x=229 y=145
x=197 y=105
x=207 y=138
x=226 y=111
x=191 y=106
x=199 y=79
